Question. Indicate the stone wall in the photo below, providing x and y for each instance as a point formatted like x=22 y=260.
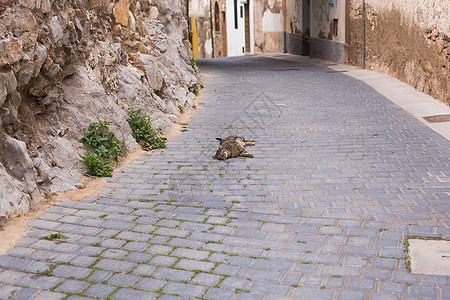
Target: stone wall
x=268 y=24
x=409 y=40
x=67 y=63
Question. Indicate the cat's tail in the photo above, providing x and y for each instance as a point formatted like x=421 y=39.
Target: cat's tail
x=219 y=139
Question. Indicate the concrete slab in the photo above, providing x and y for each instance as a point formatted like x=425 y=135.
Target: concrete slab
x=430 y=256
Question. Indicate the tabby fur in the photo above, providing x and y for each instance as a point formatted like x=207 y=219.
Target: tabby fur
x=233 y=146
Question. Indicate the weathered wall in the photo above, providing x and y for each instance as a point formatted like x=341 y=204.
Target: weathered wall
x=220 y=33
x=328 y=29
x=269 y=23
x=409 y=40
x=67 y=63
x=297 y=26
x=200 y=13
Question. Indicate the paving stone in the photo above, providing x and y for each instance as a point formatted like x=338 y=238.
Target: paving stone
x=25 y=293
x=265 y=275
x=206 y=279
x=423 y=291
x=100 y=290
x=100 y=275
x=115 y=265
x=313 y=293
x=380 y=296
x=72 y=286
x=195 y=265
x=186 y=290
x=347 y=294
x=324 y=188
x=219 y=294
x=41 y=282
x=129 y=294
x=70 y=271
x=143 y=270
x=172 y=274
x=270 y=288
x=123 y=280
x=46 y=295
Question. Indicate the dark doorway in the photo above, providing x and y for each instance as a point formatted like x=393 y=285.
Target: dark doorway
x=247 y=25
x=223 y=24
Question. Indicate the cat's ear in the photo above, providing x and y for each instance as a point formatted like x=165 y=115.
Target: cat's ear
x=221 y=147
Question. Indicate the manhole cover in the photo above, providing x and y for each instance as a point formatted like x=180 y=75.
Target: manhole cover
x=438 y=118
x=429 y=256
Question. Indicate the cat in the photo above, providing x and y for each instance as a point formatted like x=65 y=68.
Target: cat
x=233 y=146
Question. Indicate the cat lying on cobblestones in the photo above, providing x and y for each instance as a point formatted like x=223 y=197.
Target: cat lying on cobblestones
x=233 y=146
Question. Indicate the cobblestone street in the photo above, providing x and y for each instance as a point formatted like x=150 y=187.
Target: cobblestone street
x=340 y=178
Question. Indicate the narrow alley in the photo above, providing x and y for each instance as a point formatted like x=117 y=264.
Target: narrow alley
x=340 y=178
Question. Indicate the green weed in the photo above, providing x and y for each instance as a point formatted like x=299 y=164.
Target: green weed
x=143 y=132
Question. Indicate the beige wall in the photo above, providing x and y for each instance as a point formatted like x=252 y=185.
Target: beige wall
x=268 y=16
x=408 y=40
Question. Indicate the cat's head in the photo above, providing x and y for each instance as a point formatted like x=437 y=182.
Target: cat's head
x=221 y=153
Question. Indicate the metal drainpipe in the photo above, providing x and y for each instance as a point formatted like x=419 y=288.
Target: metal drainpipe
x=211 y=20
x=363 y=50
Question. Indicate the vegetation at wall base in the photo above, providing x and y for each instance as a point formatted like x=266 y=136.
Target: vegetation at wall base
x=193 y=63
x=96 y=166
x=102 y=145
x=143 y=132
x=102 y=141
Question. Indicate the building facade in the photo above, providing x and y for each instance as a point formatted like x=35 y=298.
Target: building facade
x=409 y=40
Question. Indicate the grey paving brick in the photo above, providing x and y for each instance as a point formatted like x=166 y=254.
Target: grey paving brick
x=189 y=253
x=129 y=294
x=270 y=288
x=206 y=279
x=115 y=265
x=25 y=293
x=100 y=290
x=265 y=275
x=72 y=286
x=138 y=257
x=313 y=281
x=184 y=289
x=361 y=284
x=423 y=291
x=46 y=295
x=159 y=249
x=313 y=293
x=228 y=270
x=403 y=276
x=218 y=294
x=195 y=265
x=150 y=284
x=392 y=287
x=100 y=275
x=381 y=296
x=13 y=263
x=135 y=246
x=143 y=270
x=347 y=294
x=70 y=271
x=172 y=274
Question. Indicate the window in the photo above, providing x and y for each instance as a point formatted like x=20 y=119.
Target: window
x=216 y=17
x=236 y=14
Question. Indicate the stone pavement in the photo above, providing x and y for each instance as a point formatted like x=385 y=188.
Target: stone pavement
x=341 y=176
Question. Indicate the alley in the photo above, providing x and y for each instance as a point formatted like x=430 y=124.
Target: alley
x=340 y=178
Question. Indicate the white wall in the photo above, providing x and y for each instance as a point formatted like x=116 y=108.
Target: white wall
x=322 y=14
x=236 y=37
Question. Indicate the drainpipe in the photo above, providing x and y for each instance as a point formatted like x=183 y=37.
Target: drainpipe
x=211 y=20
x=363 y=50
